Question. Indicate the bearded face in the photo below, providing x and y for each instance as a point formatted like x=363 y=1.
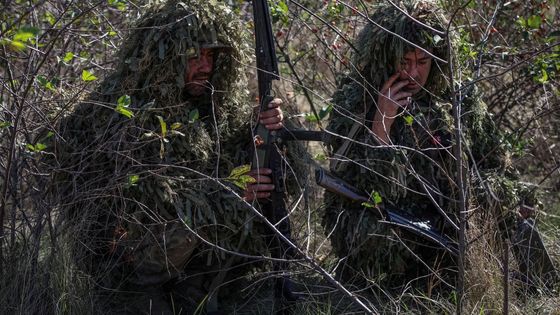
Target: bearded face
x=199 y=71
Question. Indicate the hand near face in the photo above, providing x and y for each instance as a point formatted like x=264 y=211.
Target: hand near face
x=273 y=117
x=262 y=187
x=391 y=99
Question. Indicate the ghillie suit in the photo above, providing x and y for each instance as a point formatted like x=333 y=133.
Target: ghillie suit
x=140 y=165
x=417 y=172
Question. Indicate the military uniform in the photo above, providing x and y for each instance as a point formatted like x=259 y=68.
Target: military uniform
x=140 y=165
x=416 y=173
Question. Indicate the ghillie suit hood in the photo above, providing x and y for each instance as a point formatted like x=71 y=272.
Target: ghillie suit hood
x=418 y=174
x=140 y=159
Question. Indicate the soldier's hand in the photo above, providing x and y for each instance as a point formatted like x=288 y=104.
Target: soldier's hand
x=391 y=98
x=262 y=187
x=273 y=117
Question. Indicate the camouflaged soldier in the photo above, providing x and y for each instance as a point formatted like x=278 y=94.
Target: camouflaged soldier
x=140 y=163
x=396 y=106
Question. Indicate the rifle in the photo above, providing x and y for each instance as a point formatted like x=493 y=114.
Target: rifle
x=267 y=147
x=535 y=264
x=388 y=215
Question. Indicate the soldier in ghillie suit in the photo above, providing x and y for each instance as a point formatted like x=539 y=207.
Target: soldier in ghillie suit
x=140 y=165
x=396 y=106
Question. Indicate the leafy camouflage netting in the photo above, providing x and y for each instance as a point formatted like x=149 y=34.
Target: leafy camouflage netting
x=418 y=173
x=138 y=157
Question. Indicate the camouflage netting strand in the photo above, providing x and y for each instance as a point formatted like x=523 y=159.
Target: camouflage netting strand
x=129 y=182
x=418 y=174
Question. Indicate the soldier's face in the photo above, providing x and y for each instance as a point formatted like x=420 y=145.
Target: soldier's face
x=199 y=71
x=415 y=68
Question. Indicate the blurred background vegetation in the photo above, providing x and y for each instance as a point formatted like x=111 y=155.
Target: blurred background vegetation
x=54 y=52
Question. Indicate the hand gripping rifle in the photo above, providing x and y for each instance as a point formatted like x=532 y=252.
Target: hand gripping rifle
x=267 y=147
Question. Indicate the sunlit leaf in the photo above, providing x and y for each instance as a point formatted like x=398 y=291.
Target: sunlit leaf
x=534 y=21
x=122 y=106
x=38 y=147
x=408 y=119
x=542 y=78
x=132 y=180
x=376 y=197
x=238 y=176
x=283 y=7
x=17 y=45
x=124 y=100
x=163 y=126
x=88 y=76
x=243 y=180
x=176 y=125
x=320 y=157
x=26 y=33
x=240 y=170
x=124 y=111
x=68 y=57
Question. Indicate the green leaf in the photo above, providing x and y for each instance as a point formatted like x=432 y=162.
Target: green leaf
x=124 y=111
x=534 y=21
x=244 y=180
x=49 y=18
x=193 y=116
x=176 y=125
x=320 y=157
x=408 y=119
x=543 y=78
x=119 y=4
x=240 y=170
x=238 y=176
x=283 y=7
x=68 y=57
x=26 y=33
x=5 y=124
x=38 y=147
x=17 y=45
x=122 y=106
x=88 y=76
x=132 y=180
x=368 y=205
x=124 y=101
x=163 y=126
x=45 y=83
x=41 y=79
x=376 y=197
